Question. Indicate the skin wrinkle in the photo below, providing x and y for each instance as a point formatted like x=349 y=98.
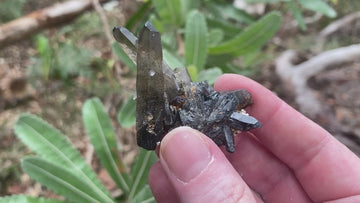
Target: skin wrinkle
x=311 y=154
x=351 y=199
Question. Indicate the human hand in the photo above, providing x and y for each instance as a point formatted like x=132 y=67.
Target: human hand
x=288 y=159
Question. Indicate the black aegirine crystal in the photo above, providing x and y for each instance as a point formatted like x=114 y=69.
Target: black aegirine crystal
x=168 y=98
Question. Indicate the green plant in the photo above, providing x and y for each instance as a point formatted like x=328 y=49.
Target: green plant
x=10 y=9
x=296 y=7
x=59 y=59
x=206 y=36
x=60 y=167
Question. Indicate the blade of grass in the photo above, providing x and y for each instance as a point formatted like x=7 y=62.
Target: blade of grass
x=102 y=135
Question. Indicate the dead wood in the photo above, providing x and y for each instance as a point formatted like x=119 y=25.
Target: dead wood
x=340 y=23
x=298 y=75
x=34 y=22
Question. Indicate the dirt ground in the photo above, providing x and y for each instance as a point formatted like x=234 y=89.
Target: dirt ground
x=337 y=88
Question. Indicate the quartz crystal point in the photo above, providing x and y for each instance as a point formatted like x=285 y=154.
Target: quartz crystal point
x=168 y=98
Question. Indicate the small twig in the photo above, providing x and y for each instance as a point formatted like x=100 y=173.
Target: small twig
x=101 y=13
x=333 y=27
x=110 y=39
x=338 y=24
x=34 y=22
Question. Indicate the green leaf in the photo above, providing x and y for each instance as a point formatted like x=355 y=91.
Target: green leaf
x=187 y=6
x=27 y=199
x=120 y=53
x=265 y=1
x=195 y=40
x=318 y=6
x=209 y=75
x=230 y=30
x=192 y=72
x=229 y=12
x=138 y=15
x=126 y=115
x=297 y=14
x=61 y=180
x=171 y=59
x=102 y=135
x=169 y=11
x=140 y=170
x=215 y=36
x=251 y=39
x=219 y=60
x=144 y=196
x=53 y=146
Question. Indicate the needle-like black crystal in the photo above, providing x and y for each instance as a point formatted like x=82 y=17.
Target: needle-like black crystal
x=168 y=98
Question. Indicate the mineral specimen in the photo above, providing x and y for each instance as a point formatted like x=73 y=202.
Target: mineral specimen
x=168 y=98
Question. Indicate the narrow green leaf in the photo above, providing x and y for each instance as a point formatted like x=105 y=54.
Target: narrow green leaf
x=140 y=170
x=169 y=11
x=187 y=6
x=215 y=36
x=144 y=196
x=251 y=39
x=138 y=15
x=126 y=115
x=297 y=14
x=209 y=75
x=265 y=1
x=195 y=40
x=193 y=72
x=219 y=60
x=28 y=199
x=102 y=135
x=229 y=12
x=318 y=6
x=61 y=180
x=120 y=53
x=53 y=146
x=230 y=30
x=171 y=59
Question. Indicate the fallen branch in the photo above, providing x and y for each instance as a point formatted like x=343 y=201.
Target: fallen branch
x=338 y=24
x=298 y=75
x=23 y=27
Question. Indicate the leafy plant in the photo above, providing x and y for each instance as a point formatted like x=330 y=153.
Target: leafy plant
x=59 y=59
x=296 y=6
x=60 y=167
x=206 y=36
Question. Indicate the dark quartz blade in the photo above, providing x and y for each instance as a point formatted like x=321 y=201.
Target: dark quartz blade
x=149 y=88
x=129 y=43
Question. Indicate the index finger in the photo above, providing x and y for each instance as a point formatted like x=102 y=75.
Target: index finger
x=326 y=169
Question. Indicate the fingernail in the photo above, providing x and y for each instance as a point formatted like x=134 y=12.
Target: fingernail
x=185 y=153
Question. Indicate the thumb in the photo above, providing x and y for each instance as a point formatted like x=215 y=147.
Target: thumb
x=199 y=171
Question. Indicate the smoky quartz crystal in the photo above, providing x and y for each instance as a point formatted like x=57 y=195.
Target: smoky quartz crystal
x=167 y=98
